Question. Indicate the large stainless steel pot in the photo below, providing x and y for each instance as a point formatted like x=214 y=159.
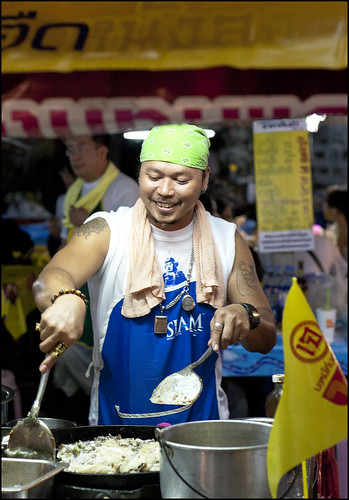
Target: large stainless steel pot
x=214 y=459
x=130 y=481
x=7 y=395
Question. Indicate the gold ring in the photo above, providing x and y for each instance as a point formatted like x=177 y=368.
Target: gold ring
x=38 y=327
x=58 y=350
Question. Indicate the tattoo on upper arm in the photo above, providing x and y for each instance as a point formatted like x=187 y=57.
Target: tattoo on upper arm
x=246 y=279
x=93 y=226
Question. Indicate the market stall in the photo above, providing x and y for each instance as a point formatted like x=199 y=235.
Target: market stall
x=125 y=66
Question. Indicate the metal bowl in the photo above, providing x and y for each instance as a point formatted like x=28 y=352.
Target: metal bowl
x=28 y=478
x=52 y=423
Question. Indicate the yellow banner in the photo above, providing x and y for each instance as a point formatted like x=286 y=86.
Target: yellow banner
x=312 y=413
x=71 y=36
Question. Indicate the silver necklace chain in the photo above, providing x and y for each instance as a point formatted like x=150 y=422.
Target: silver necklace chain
x=186 y=288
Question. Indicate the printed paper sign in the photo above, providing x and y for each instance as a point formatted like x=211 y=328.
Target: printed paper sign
x=284 y=195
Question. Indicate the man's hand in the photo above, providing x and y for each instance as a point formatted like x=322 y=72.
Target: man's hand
x=78 y=215
x=229 y=325
x=63 y=322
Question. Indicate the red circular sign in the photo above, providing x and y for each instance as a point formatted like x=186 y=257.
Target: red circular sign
x=307 y=342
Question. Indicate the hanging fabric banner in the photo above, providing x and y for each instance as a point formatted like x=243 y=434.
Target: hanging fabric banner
x=57 y=116
x=70 y=36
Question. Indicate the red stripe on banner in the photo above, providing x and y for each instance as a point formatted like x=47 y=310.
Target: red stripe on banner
x=60 y=122
x=281 y=113
x=256 y=113
x=94 y=119
x=29 y=122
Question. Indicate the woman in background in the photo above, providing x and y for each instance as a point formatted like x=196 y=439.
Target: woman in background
x=336 y=211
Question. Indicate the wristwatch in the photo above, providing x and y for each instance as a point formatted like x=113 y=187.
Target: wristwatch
x=253 y=315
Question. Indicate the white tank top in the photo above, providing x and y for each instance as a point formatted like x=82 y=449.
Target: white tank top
x=126 y=348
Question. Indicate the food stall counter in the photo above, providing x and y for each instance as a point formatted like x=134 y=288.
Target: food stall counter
x=237 y=362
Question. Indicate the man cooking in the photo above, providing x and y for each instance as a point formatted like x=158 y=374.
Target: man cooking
x=143 y=330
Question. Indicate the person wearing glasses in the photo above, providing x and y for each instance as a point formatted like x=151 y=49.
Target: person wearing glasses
x=99 y=185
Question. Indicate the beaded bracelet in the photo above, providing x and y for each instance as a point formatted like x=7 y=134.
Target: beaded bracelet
x=73 y=291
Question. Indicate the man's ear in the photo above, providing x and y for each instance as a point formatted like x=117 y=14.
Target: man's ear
x=206 y=178
x=104 y=150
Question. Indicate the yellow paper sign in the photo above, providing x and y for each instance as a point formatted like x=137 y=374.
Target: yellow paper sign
x=283 y=185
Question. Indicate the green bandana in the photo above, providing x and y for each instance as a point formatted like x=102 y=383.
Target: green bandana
x=182 y=144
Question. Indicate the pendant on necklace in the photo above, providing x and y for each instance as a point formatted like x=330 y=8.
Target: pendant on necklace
x=188 y=303
x=160 y=324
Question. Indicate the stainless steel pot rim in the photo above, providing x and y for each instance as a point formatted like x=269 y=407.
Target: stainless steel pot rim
x=161 y=436
x=214 y=423
x=265 y=420
x=215 y=449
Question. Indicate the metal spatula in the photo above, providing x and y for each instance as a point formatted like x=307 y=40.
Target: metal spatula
x=181 y=388
x=31 y=438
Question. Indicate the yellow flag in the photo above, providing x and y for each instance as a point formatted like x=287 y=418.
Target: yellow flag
x=312 y=412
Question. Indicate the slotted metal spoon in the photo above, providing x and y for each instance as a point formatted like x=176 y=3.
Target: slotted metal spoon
x=182 y=387
x=31 y=438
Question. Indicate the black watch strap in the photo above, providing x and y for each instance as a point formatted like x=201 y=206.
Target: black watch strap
x=253 y=315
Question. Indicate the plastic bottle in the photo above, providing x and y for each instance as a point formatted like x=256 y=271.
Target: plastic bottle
x=273 y=398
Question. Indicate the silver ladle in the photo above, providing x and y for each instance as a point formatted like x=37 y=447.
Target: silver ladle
x=182 y=387
x=31 y=438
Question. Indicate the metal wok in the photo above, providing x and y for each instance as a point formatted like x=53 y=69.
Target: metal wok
x=129 y=481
